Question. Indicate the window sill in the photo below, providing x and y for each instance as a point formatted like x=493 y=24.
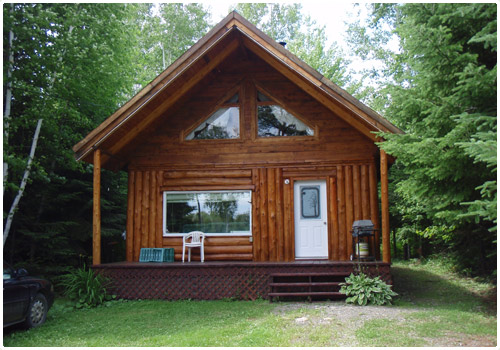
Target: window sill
x=246 y=234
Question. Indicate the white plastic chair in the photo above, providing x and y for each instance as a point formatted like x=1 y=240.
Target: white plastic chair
x=191 y=240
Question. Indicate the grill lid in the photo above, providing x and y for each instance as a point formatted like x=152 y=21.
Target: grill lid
x=367 y=224
x=362 y=228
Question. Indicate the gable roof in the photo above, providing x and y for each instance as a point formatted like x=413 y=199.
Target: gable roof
x=123 y=126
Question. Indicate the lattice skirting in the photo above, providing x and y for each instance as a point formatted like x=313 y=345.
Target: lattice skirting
x=215 y=280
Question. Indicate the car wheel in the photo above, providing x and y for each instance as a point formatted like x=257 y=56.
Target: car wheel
x=37 y=311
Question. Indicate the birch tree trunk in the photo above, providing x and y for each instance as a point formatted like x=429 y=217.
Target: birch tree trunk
x=24 y=181
x=27 y=171
x=8 y=101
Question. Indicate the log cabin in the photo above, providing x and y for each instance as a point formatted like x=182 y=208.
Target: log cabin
x=243 y=141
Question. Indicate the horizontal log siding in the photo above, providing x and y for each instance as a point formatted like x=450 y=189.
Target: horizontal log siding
x=216 y=248
x=335 y=141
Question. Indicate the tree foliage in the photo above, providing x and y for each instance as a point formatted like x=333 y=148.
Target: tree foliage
x=441 y=91
x=73 y=65
x=303 y=37
x=165 y=32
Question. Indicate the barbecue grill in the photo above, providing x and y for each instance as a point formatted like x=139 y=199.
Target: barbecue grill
x=360 y=230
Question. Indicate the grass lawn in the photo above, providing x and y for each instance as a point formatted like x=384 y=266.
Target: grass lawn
x=435 y=308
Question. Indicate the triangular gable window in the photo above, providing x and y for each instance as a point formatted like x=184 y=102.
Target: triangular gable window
x=274 y=120
x=224 y=123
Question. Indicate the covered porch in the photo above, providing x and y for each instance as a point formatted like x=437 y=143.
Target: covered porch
x=273 y=234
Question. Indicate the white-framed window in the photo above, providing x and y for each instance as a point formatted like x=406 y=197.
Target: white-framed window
x=216 y=213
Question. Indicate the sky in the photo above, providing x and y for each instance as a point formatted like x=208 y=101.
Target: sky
x=331 y=14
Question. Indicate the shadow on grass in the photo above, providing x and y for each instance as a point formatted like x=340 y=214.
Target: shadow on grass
x=423 y=288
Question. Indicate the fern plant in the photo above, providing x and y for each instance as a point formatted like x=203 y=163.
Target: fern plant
x=363 y=290
x=86 y=288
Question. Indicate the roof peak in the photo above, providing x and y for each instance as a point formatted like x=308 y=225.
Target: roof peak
x=201 y=59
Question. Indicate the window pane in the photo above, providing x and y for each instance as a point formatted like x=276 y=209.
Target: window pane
x=275 y=121
x=209 y=212
x=223 y=124
x=310 y=202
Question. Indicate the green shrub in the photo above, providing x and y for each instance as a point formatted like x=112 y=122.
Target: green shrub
x=86 y=288
x=362 y=290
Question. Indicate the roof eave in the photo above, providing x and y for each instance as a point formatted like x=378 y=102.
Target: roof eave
x=83 y=148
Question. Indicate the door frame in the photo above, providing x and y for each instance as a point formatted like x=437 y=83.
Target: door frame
x=325 y=217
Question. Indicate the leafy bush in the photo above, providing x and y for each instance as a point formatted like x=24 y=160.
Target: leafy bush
x=362 y=290
x=86 y=288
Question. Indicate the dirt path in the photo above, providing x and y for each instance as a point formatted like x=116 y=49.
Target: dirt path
x=350 y=318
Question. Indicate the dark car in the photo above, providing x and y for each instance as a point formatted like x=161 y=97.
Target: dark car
x=25 y=299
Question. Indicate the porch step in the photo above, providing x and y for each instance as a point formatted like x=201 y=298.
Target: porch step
x=310 y=285
x=312 y=274
x=305 y=284
x=307 y=294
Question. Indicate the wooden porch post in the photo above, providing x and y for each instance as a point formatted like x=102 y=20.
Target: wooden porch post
x=384 y=186
x=96 y=222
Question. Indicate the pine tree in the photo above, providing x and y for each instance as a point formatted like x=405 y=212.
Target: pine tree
x=442 y=93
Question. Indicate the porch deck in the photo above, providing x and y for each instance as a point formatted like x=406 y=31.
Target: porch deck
x=212 y=280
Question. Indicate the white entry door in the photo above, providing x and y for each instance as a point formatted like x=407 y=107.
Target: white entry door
x=311 y=226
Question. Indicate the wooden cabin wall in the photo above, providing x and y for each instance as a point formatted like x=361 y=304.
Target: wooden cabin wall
x=352 y=195
x=144 y=212
x=356 y=192
x=336 y=140
x=165 y=161
x=216 y=248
